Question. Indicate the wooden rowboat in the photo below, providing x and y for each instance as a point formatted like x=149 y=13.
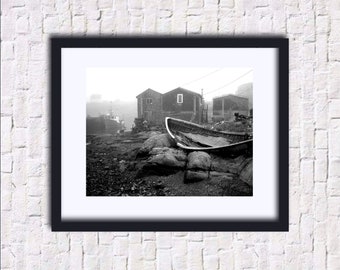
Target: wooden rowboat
x=193 y=137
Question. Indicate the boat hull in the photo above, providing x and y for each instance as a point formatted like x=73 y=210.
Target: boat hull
x=193 y=137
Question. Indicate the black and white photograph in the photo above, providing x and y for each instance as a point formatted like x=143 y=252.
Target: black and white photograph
x=151 y=133
x=169 y=131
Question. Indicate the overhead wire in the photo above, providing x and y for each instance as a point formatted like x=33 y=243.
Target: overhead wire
x=202 y=77
x=223 y=86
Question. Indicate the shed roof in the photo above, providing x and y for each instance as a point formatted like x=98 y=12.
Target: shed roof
x=230 y=95
x=148 y=90
x=184 y=90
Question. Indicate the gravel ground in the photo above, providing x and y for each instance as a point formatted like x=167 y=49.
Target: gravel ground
x=115 y=169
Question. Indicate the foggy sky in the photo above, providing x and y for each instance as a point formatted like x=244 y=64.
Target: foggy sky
x=126 y=83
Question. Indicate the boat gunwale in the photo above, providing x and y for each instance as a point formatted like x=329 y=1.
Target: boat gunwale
x=233 y=133
x=203 y=148
x=214 y=147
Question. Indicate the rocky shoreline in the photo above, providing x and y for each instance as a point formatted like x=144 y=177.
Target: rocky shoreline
x=150 y=164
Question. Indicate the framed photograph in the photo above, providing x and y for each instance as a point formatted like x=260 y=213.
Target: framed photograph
x=169 y=134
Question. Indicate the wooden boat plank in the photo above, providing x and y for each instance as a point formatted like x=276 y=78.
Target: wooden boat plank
x=193 y=137
x=205 y=140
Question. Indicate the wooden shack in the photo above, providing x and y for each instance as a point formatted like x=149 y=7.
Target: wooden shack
x=225 y=107
x=149 y=106
x=183 y=104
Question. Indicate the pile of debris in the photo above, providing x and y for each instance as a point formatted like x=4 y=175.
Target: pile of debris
x=240 y=126
x=142 y=125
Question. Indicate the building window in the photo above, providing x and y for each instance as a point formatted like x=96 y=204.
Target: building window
x=149 y=101
x=179 y=98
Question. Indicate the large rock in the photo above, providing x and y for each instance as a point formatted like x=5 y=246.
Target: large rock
x=246 y=174
x=195 y=176
x=178 y=153
x=230 y=184
x=199 y=161
x=162 y=161
x=167 y=157
x=159 y=140
x=222 y=181
x=229 y=165
x=220 y=178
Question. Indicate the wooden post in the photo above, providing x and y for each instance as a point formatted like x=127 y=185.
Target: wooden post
x=194 y=104
x=194 y=115
x=141 y=107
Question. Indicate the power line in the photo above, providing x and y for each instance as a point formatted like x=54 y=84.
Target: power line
x=200 y=78
x=229 y=82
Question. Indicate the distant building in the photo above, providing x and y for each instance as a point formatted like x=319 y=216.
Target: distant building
x=179 y=103
x=246 y=90
x=225 y=107
x=149 y=106
x=95 y=98
x=183 y=104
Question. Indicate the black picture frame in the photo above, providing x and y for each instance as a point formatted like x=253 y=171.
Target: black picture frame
x=279 y=224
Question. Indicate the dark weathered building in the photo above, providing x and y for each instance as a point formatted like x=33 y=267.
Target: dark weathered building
x=149 y=106
x=183 y=104
x=225 y=107
x=179 y=103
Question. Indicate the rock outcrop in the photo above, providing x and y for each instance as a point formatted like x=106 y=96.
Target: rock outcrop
x=159 y=140
x=246 y=173
x=168 y=157
x=233 y=175
x=199 y=160
x=227 y=164
x=195 y=176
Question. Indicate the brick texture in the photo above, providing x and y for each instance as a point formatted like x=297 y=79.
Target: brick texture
x=313 y=28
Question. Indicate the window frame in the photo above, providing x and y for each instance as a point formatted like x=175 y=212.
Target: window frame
x=179 y=95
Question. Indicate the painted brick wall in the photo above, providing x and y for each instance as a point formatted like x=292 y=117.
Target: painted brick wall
x=313 y=242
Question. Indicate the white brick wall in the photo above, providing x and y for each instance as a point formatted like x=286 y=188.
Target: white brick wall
x=313 y=242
